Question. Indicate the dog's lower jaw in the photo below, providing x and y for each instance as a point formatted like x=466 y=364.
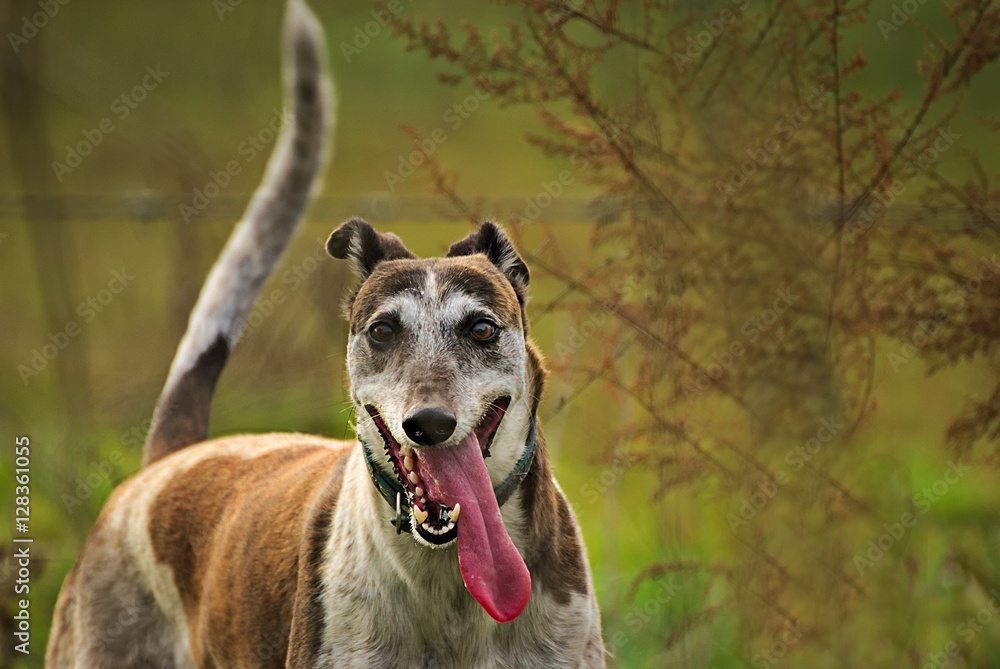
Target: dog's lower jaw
x=422 y=542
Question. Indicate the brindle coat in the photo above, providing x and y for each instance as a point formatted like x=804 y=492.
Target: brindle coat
x=276 y=550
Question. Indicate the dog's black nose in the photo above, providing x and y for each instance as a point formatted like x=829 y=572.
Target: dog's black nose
x=429 y=426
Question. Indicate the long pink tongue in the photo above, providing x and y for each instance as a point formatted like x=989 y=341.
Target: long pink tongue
x=492 y=569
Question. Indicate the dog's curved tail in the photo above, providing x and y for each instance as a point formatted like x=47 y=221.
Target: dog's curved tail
x=182 y=412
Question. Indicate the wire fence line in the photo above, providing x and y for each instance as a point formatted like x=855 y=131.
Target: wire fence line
x=384 y=206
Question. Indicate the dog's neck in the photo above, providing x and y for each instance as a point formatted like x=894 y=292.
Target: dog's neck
x=409 y=592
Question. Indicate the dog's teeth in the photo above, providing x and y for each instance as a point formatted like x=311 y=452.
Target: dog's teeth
x=419 y=492
x=408 y=462
x=414 y=479
x=407 y=450
x=423 y=500
x=453 y=514
x=420 y=515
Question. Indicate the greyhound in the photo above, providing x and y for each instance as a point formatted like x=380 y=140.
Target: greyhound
x=439 y=538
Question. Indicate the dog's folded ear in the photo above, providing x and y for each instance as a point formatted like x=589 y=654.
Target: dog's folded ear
x=493 y=242
x=358 y=241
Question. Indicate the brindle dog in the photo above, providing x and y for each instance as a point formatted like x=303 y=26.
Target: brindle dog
x=438 y=539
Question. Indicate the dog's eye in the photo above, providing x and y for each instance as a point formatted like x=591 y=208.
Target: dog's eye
x=483 y=330
x=381 y=332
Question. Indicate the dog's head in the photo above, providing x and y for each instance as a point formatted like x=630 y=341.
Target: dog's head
x=443 y=375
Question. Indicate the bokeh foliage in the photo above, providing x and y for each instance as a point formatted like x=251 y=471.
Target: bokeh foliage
x=785 y=239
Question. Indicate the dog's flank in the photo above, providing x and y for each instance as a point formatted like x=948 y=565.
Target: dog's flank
x=182 y=413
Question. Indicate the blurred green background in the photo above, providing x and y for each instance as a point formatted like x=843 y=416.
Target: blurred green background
x=86 y=410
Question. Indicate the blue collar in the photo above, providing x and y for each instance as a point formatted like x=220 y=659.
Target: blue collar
x=396 y=497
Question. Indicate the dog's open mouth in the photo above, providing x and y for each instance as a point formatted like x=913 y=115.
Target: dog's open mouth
x=435 y=520
x=452 y=499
